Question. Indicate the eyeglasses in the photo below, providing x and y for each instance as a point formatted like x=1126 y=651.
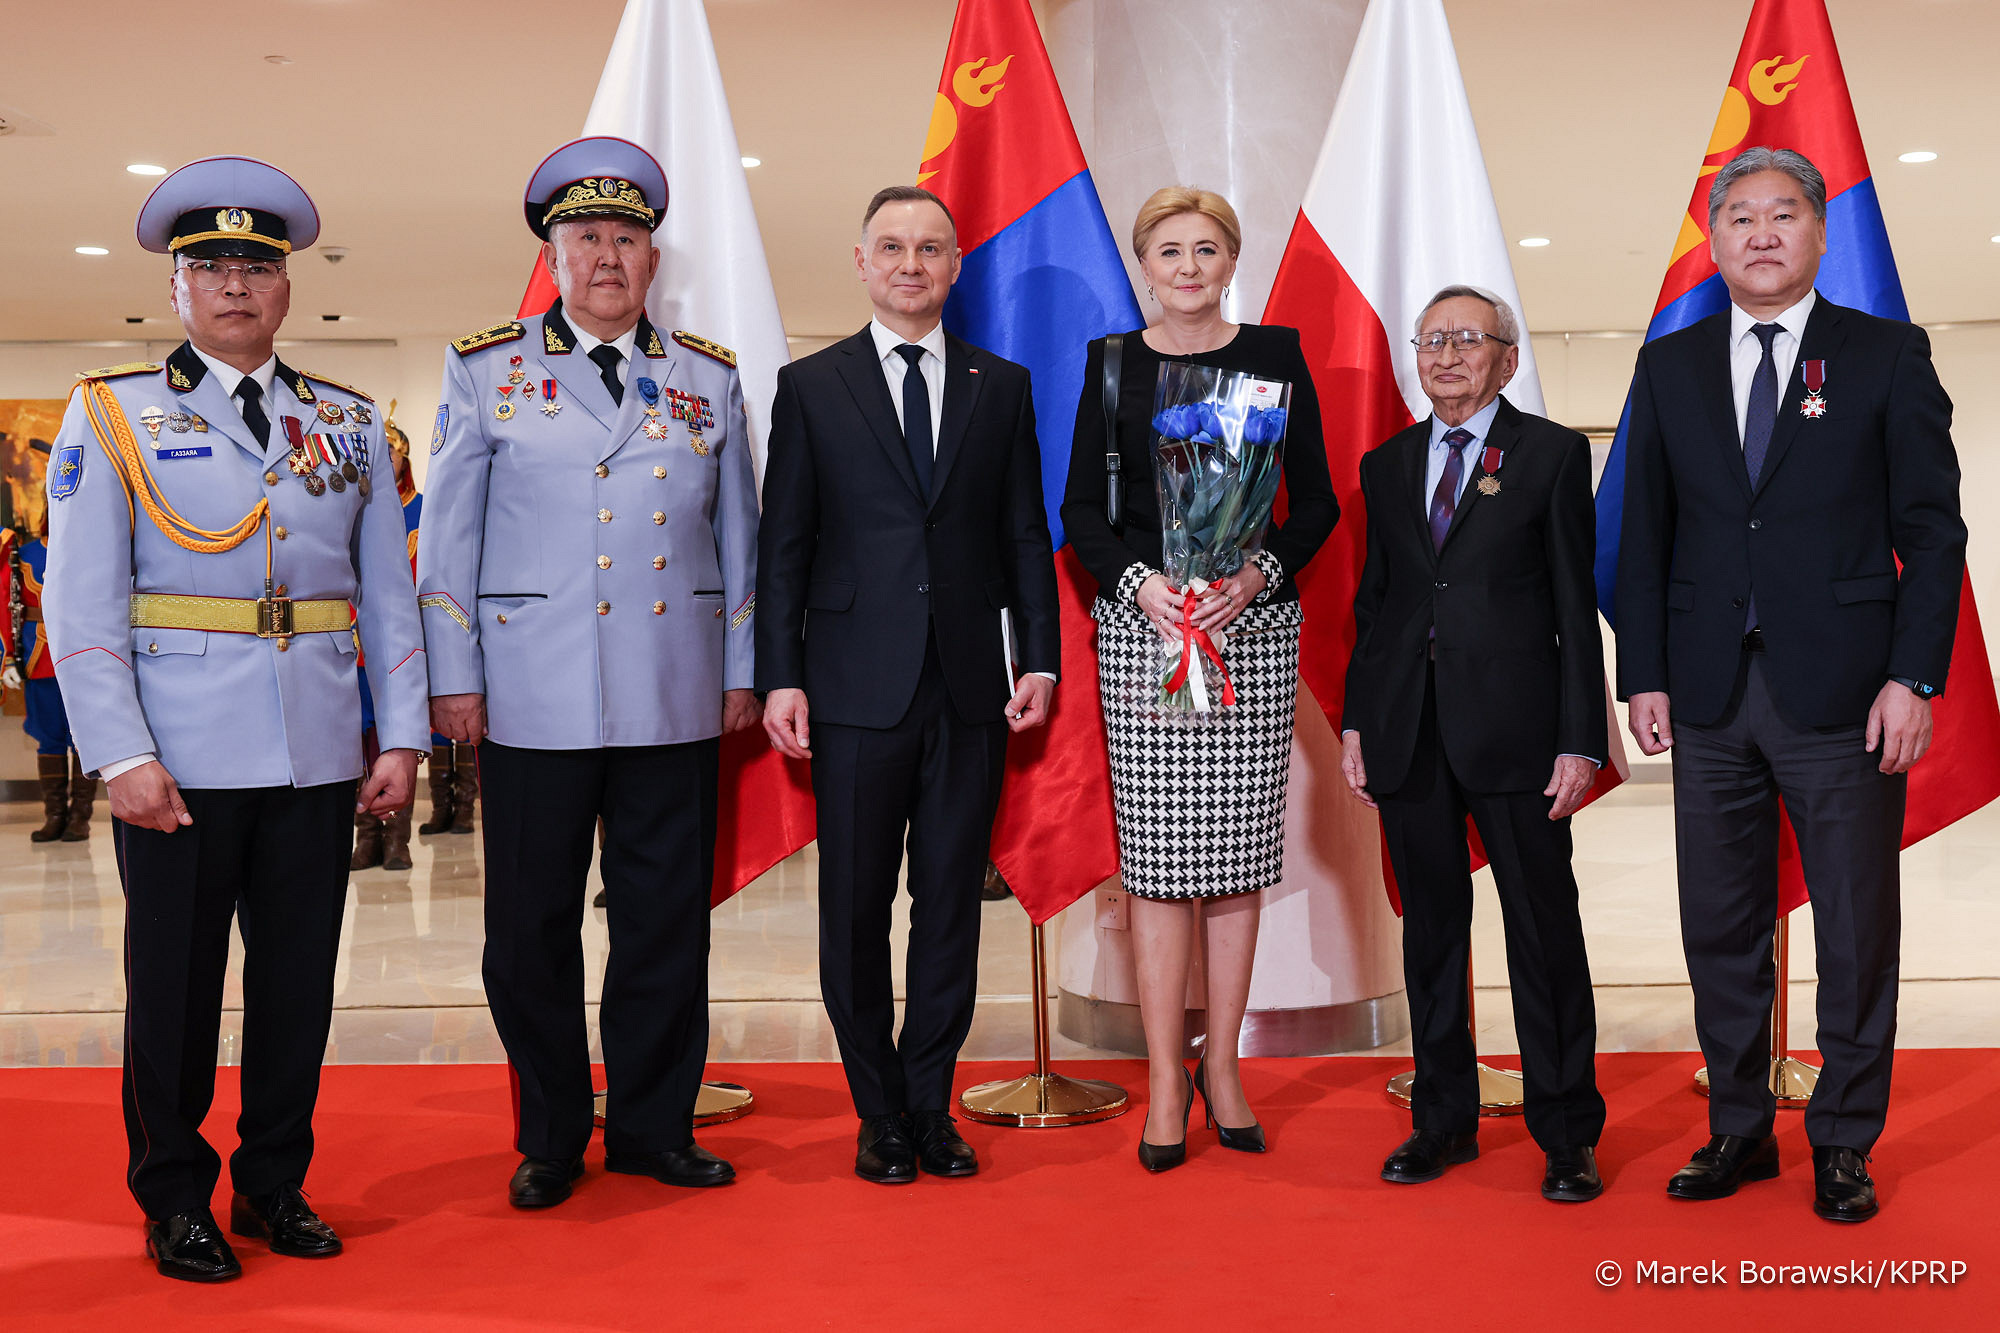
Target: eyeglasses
x=1463 y=339
x=212 y=276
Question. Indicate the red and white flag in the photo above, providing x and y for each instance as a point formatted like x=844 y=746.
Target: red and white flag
x=1398 y=206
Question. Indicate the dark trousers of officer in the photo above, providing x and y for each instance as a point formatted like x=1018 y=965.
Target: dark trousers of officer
x=658 y=805
x=275 y=858
x=1555 y=1017
x=932 y=780
x=1848 y=814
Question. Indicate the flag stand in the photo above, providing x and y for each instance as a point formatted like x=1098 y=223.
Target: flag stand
x=715 y=1104
x=1042 y=1100
x=1792 y=1081
x=1500 y=1090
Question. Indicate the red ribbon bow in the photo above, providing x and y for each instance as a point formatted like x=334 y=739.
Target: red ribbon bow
x=1195 y=640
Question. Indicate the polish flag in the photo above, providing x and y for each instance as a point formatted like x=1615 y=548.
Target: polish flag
x=662 y=89
x=1398 y=206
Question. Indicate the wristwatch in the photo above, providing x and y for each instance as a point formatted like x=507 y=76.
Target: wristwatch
x=1917 y=687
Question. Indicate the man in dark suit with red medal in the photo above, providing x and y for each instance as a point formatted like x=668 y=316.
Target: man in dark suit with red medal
x=1784 y=457
x=1477 y=688
x=889 y=550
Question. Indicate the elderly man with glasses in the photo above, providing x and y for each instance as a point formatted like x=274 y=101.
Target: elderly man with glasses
x=224 y=532
x=1477 y=688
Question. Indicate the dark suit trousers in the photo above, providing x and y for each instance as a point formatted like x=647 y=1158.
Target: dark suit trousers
x=658 y=805
x=1728 y=781
x=1555 y=1017
x=933 y=779
x=275 y=858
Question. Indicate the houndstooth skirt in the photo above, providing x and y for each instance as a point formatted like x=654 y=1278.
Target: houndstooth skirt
x=1200 y=797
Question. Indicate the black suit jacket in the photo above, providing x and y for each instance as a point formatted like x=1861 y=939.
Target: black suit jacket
x=1520 y=660
x=855 y=566
x=1841 y=498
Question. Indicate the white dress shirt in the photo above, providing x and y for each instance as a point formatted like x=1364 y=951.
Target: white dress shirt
x=1746 y=350
x=229 y=377
x=931 y=363
x=588 y=342
x=1478 y=424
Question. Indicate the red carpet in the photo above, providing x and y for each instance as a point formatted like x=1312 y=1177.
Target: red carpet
x=1062 y=1229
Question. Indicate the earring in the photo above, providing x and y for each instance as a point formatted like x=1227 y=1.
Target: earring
x=1149 y=294
x=1225 y=292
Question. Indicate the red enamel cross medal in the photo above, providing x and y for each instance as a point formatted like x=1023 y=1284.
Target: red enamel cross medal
x=1813 y=406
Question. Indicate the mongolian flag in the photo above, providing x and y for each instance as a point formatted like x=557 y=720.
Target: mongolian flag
x=1041 y=278
x=1788 y=91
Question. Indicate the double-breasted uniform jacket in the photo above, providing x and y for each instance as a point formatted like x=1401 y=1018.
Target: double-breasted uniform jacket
x=230 y=710
x=587 y=566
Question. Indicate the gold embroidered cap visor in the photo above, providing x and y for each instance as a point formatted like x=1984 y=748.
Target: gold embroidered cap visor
x=601 y=176
x=228 y=206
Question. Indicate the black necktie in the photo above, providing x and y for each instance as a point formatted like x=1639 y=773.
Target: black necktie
x=608 y=360
x=252 y=399
x=917 y=416
x=1758 y=419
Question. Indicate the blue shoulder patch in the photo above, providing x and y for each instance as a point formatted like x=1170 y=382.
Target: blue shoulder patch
x=437 y=431
x=66 y=472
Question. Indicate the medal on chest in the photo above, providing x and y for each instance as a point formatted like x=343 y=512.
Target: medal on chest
x=1813 y=406
x=653 y=427
x=549 y=404
x=1489 y=466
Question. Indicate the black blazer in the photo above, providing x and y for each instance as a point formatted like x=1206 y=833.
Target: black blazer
x=1520 y=660
x=847 y=538
x=1840 y=499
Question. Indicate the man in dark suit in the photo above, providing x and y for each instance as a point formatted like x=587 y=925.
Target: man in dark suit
x=1477 y=687
x=1783 y=457
x=889 y=551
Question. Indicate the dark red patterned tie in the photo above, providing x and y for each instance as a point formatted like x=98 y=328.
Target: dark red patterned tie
x=1445 y=501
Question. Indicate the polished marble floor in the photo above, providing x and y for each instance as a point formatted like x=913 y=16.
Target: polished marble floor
x=408 y=989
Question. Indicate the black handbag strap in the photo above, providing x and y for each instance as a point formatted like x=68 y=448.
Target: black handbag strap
x=1114 y=489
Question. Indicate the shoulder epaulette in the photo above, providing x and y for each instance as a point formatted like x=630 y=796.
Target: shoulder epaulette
x=344 y=388
x=129 y=368
x=488 y=337
x=696 y=343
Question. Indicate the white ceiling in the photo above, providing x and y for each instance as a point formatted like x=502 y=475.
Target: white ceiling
x=414 y=123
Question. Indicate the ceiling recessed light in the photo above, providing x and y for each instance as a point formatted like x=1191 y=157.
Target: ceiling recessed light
x=753 y=161
x=146 y=169
x=333 y=319
x=1919 y=156
x=1534 y=242
x=277 y=60
x=92 y=250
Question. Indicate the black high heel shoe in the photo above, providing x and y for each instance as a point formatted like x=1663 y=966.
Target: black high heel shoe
x=1247 y=1139
x=1157 y=1157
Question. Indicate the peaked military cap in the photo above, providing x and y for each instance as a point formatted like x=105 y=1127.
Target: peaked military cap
x=596 y=177
x=218 y=206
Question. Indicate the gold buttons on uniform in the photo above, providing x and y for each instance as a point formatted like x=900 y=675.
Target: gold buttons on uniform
x=604 y=562
x=604 y=516
x=659 y=471
x=659 y=562
x=603 y=471
x=280 y=534
x=718 y=613
x=604 y=608
x=659 y=517
x=284 y=645
x=152 y=647
x=502 y=617
x=659 y=608
x=270 y=479
x=283 y=590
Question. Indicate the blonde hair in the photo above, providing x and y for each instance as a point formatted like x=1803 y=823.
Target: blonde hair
x=1172 y=201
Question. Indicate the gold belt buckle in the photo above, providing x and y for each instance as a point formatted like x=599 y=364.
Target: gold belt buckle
x=274 y=617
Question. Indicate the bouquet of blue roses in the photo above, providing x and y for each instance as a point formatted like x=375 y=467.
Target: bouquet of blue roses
x=1217 y=463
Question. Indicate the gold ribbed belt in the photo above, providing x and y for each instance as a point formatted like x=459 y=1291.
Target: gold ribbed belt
x=267 y=617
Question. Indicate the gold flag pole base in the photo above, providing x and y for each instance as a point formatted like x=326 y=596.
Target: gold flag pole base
x=1042 y=1100
x=1791 y=1080
x=715 y=1104
x=1501 y=1091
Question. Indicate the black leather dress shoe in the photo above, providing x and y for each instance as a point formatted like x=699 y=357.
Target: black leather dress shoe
x=693 y=1166
x=287 y=1221
x=1723 y=1163
x=940 y=1151
x=1572 y=1176
x=543 y=1182
x=1842 y=1189
x=885 y=1153
x=189 y=1246
x=1426 y=1154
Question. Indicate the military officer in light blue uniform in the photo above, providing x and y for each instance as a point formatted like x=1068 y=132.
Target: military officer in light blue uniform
x=587 y=577
x=221 y=527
